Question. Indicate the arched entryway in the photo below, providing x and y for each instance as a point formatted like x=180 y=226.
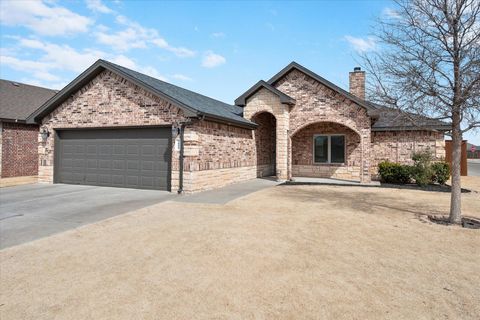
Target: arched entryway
x=265 y=143
x=326 y=150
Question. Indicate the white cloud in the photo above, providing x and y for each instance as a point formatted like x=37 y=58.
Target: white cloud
x=211 y=60
x=178 y=51
x=218 y=35
x=135 y=36
x=54 y=60
x=390 y=13
x=361 y=44
x=123 y=40
x=42 y=18
x=181 y=77
x=98 y=6
x=62 y=57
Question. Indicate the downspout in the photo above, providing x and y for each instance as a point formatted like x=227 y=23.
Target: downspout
x=181 y=157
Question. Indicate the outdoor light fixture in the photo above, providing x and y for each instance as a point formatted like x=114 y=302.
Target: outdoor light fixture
x=175 y=130
x=44 y=134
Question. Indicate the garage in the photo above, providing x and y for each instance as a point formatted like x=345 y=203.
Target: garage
x=129 y=158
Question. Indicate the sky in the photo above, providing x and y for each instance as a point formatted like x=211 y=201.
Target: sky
x=218 y=49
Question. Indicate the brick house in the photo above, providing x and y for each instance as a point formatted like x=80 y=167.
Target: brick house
x=113 y=126
x=18 y=140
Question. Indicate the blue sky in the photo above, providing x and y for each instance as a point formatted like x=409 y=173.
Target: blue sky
x=218 y=49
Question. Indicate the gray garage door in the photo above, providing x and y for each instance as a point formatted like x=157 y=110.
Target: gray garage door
x=129 y=158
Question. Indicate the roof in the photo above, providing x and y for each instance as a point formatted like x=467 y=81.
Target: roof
x=193 y=104
x=19 y=100
x=242 y=100
x=390 y=119
x=325 y=82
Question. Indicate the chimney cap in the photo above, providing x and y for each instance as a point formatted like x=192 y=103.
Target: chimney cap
x=357 y=69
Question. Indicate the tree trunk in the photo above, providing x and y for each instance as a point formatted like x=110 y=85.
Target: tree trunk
x=456 y=200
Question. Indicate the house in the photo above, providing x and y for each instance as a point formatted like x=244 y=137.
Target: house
x=18 y=140
x=113 y=126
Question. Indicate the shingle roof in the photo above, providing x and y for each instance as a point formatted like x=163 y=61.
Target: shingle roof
x=19 y=100
x=390 y=119
x=242 y=100
x=193 y=103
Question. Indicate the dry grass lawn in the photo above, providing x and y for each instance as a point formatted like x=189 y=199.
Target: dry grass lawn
x=287 y=252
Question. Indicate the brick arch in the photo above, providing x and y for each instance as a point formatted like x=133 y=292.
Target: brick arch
x=303 y=126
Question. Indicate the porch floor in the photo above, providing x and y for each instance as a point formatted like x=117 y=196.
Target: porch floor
x=330 y=181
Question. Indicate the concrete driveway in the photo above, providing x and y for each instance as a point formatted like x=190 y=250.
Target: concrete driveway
x=473 y=167
x=34 y=211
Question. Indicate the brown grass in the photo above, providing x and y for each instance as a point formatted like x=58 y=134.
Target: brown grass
x=287 y=252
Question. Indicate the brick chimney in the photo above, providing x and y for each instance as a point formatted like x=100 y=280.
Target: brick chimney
x=357 y=83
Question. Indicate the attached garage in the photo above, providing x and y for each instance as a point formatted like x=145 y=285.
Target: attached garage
x=130 y=158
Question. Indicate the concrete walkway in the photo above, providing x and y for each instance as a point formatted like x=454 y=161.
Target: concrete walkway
x=228 y=193
x=331 y=182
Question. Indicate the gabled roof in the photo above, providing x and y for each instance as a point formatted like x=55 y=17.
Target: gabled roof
x=192 y=103
x=19 y=100
x=390 y=119
x=241 y=101
x=325 y=82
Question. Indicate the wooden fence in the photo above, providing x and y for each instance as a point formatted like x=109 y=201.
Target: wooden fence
x=448 y=156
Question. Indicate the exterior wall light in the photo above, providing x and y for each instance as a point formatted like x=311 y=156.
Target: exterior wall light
x=44 y=134
x=175 y=130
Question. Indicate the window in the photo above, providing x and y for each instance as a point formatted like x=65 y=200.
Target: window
x=329 y=149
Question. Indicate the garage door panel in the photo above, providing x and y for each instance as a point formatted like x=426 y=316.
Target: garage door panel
x=133 y=158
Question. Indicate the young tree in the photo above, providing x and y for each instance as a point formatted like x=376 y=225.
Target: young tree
x=428 y=63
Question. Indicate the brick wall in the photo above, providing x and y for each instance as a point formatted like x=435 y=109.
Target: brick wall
x=302 y=153
x=216 y=155
x=107 y=101
x=19 y=150
x=317 y=103
x=398 y=146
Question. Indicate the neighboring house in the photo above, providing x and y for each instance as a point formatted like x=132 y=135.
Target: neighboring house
x=113 y=126
x=19 y=140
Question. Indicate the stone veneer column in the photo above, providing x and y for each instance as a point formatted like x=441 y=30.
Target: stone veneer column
x=266 y=101
x=365 y=176
x=281 y=151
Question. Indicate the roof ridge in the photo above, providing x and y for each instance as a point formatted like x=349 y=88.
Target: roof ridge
x=168 y=83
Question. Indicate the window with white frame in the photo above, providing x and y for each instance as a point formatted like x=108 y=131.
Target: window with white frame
x=329 y=148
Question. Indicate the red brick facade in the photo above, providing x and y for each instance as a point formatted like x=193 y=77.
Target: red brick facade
x=221 y=152
x=302 y=153
x=19 y=150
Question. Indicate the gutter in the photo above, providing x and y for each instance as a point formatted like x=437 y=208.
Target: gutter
x=181 y=157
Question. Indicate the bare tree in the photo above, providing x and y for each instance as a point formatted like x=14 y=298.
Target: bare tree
x=428 y=63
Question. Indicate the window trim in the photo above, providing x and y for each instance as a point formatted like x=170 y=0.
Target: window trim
x=329 y=148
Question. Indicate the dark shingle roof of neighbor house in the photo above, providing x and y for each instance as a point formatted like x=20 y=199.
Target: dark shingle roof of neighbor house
x=19 y=100
x=192 y=103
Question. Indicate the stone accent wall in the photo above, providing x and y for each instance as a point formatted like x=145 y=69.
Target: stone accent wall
x=302 y=153
x=398 y=146
x=107 y=101
x=18 y=150
x=216 y=155
x=357 y=84
x=265 y=101
x=317 y=103
x=265 y=141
